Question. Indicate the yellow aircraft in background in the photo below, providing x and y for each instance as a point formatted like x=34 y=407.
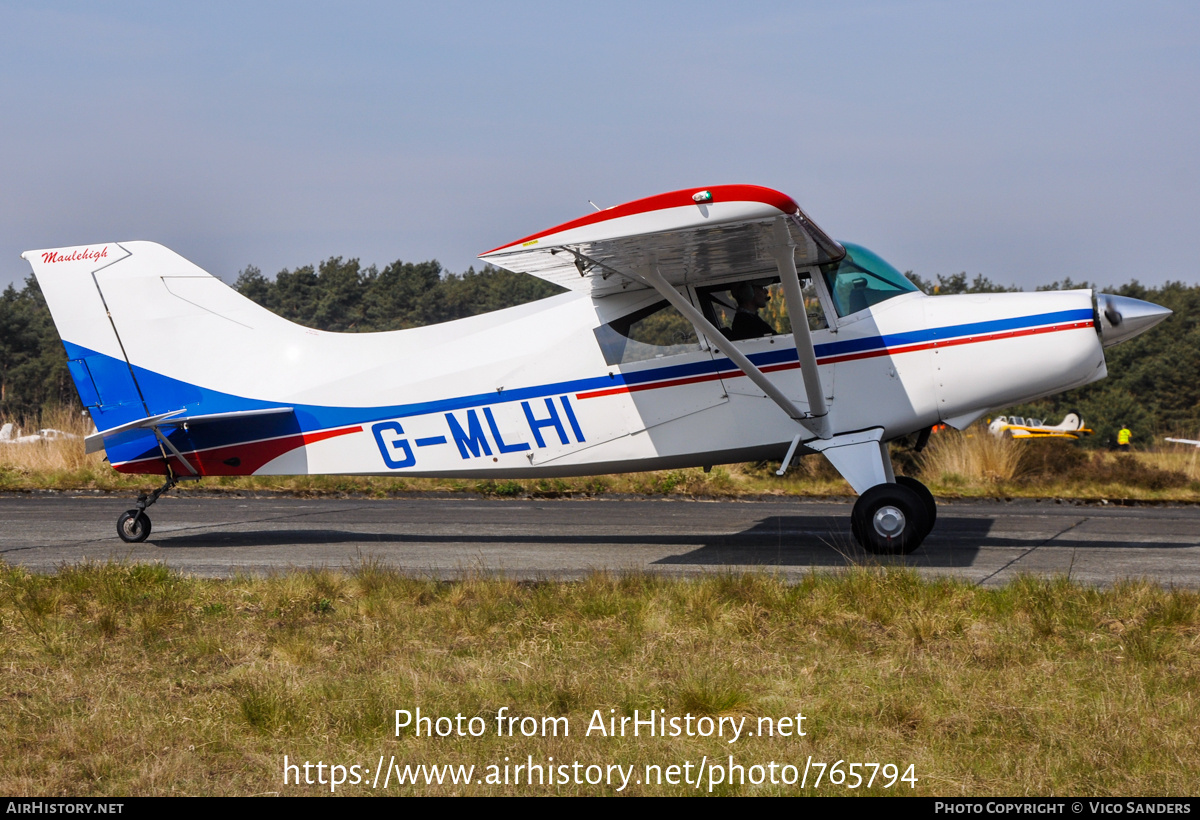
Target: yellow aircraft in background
x=1018 y=427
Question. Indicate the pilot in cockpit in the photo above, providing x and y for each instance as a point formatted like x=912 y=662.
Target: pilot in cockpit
x=751 y=297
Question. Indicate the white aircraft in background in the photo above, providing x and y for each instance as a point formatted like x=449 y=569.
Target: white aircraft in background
x=11 y=434
x=636 y=367
x=1022 y=428
x=1185 y=441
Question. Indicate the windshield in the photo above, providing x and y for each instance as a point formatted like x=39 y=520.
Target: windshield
x=862 y=279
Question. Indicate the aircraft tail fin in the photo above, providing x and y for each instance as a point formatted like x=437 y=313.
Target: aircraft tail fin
x=68 y=278
x=1071 y=421
x=144 y=329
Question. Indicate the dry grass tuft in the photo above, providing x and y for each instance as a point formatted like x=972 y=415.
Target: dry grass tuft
x=57 y=456
x=974 y=463
x=1178 y=458
x=960 y=459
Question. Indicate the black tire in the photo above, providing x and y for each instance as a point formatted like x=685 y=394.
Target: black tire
x=889 y=519
x=926 y=498
x=133 y=526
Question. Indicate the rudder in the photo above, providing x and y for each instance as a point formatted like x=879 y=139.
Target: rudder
x=106 y=384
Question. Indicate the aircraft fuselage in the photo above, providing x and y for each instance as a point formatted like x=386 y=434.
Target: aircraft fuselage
x=527 y=391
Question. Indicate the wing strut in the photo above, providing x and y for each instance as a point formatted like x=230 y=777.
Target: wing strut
x=817 y=426
x=785 y=259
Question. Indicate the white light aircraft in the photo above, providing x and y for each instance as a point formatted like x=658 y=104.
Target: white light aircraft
x=641 y=365
x=11 y=434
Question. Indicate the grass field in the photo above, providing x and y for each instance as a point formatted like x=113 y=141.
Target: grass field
x=134 y=680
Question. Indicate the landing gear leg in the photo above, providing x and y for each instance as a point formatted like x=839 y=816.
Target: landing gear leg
x=133 y=526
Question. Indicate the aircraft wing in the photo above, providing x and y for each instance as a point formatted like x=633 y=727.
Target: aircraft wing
x=694 y=236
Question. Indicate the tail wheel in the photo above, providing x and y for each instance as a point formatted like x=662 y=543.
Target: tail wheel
x=889 y=519
x=926 y=498
x=133 y=526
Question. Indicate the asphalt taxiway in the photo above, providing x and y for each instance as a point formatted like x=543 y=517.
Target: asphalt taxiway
x=986 y=542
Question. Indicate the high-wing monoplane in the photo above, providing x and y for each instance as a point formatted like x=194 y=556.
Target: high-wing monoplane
x=642 y=364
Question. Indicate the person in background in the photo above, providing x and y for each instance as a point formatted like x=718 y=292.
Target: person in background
x=1123 y=437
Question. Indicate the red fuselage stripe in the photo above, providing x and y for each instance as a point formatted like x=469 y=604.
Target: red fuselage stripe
x=249 y=456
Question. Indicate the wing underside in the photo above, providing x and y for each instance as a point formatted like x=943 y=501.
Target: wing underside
x=692 y=237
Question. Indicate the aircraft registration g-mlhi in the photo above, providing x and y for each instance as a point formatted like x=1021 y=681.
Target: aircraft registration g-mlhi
x=642 y=364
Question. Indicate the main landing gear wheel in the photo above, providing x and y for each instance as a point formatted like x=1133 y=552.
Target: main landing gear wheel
x=133 y=526
x=926 y=498
x=890 y=519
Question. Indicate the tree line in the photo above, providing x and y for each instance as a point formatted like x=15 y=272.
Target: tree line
x=1153 y=383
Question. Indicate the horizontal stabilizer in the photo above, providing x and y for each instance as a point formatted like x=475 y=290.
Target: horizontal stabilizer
x=95 y=441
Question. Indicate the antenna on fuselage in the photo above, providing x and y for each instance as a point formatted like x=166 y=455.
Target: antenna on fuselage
x=594 y=205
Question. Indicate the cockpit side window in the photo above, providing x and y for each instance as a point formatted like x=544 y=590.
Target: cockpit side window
x=650 y=333
x=862 y=279
x=721 y=303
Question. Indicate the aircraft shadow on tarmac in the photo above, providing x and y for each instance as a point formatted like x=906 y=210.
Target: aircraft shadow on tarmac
x=820 y=541
x=773 y=541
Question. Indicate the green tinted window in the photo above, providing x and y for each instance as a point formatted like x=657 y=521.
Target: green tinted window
x=863 y=279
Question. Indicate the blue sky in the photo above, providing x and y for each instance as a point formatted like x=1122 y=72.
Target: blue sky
x=1025 y=141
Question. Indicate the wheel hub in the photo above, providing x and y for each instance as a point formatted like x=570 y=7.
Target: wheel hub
x=889 y=521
